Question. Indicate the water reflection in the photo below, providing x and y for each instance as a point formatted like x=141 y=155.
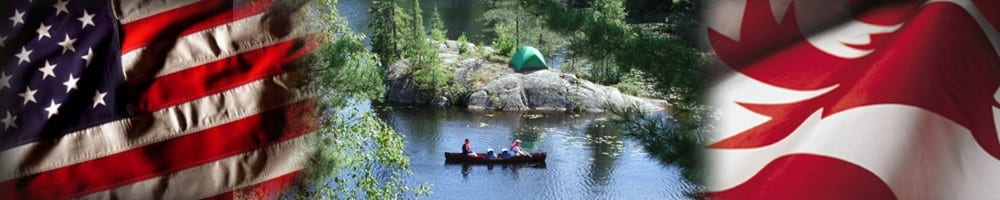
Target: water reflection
x=587 y=158
x=515 y=169
x=604 y=153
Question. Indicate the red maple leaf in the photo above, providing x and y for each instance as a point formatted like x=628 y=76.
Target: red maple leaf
x=940 y=60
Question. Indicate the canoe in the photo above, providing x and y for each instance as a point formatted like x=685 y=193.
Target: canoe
x=455 y=157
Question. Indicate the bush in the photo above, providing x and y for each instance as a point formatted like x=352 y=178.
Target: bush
x=463 y=44
x=432 y=78
x=353 y=155
x=483 y=76
x=504 y=44
x=357 y=155
x=636 y=83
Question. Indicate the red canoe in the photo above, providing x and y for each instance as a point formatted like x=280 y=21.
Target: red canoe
x=455 y=157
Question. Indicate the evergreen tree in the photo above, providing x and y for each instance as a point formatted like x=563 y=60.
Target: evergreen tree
x=438 y=31
x=515 y=26
x=354 y=154
x=668 y=58
x=428 y=73
x=416 y=43
x=604 y=34
x=388 y=25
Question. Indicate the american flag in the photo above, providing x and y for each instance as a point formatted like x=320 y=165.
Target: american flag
x=147 y=99
x=856 y=99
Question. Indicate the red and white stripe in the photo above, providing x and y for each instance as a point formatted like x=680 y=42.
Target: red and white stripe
x=217 y=115
x=916 y=153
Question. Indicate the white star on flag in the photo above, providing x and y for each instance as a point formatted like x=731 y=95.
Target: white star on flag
x=53 y=108
x=86 y=19
x=202 y=93
x=48 y=70
x=9 y=121
x=4 y=80
x=18 y=17
x=43 y=31
x=90 y=55
x=23 y=56
x=28 y=95
x=99 y=98
x=61 y=7
x=71 y=83
x=67 y=44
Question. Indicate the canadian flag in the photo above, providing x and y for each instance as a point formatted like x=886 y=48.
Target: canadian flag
x=844 y=99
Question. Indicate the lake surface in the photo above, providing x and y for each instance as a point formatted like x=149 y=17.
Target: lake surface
x=587 y=158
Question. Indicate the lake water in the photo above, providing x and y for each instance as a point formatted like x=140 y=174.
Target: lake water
x=587 y=158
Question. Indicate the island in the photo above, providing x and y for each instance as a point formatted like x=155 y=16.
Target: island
x=493 y=85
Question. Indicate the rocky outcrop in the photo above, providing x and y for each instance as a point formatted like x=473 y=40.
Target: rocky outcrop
x=551 y=90
x=494 y=86
x=401 y=89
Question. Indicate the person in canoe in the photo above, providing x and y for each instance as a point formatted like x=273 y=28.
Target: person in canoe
x=467 y=148
x=516 y=148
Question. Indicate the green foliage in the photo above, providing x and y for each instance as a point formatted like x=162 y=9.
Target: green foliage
x=463 y=44
x=662 y=51
x=438 y=29
x=638 y=83
x=428 y=73
x=514 y=26
x=612 y=10
x=360 y=157
x=604 y=32
x=417 y=46
x=388 y=26
x=344 y=66
x=353 y=155
x=670 y=140
x=432 y=77
x=505 y=42
x=601 y=35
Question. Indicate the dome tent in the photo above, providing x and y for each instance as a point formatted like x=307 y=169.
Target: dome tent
x=528 y=58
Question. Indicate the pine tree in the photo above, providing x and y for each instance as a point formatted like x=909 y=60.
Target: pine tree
x=515 y=26
x=438 y=31
x=428 y=73
x=388 y=25
x=417 y=34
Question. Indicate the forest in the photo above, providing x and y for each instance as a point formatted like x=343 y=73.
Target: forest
x=644 y=48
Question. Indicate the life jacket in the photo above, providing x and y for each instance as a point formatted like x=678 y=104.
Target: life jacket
x=515 y=147
x=466 y=148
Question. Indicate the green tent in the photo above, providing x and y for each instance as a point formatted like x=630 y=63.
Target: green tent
x=527 y=58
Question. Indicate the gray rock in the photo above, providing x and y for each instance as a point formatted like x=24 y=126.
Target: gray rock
x=550 y=90
x=509 y=91
x=480 y=100
x=440 y=101
x=401 y=89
